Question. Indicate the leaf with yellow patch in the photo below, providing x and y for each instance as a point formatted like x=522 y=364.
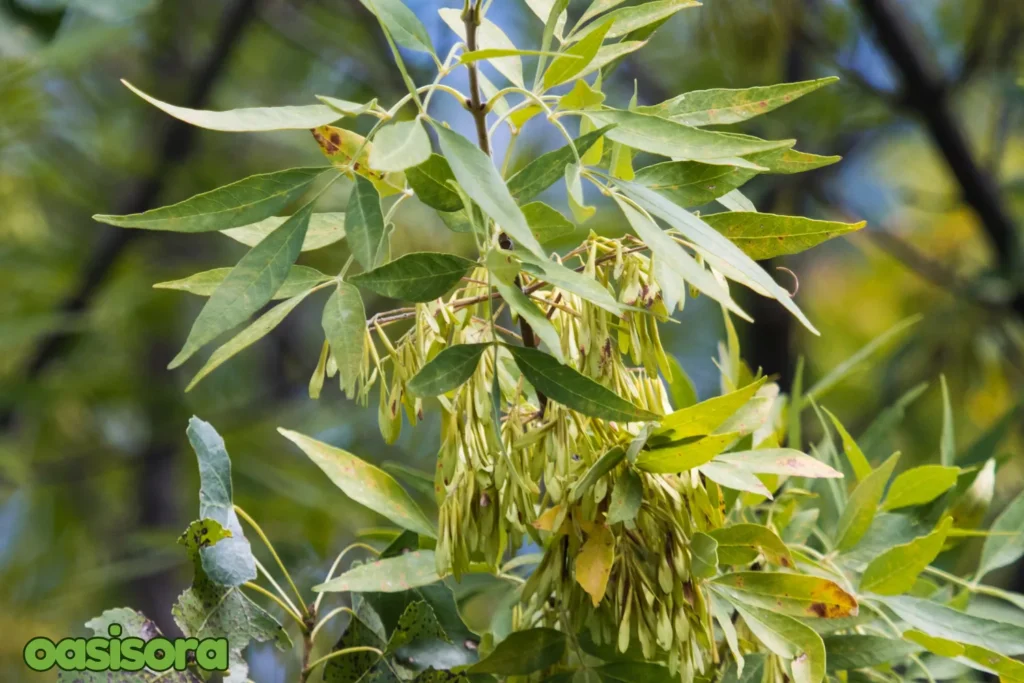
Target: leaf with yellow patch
x=340 y=146
x=797 y=595
x=594 y=563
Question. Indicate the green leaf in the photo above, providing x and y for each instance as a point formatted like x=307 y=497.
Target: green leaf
x=449 y=370
x=363 y=630
x=753 y=670
x=862 y=651
x=324 y=230
x=477 y=55
x=399 y=146
x=207 y=610
x=920 y=485
x=575 y=391
x=546 y=224
x=680 y=387
x=133 y=625
x=789 y=639
x=740 y=544
x=862 y=504
x=703 y=555
x=347 y=108
x=858 y=462
x=679 y=261
x=781 y=461
x=598 y=7
x=798 y=595
x=684 y=455
x=574 y=192
x=389 y=575
x=945 y=622
x=947 y=446
x=585 y=287
x=258 y=329
x=300 y=278
x=429 y=180
x=631 y=19
x=788 y=161
x=576 y=58
x=247 y=120
x=420 y=276
x=895 y=571
x=722 y=254
x=549 y=168
x=240 y=203
x=602 y=466
x=990 y=662
x=250 y=284
x=627 y=496
x=633 y=672
x=344 y=324
x=417 y=621
x=522 y=306
x=582 y=96
x=721 y=106
x=364 y=225
x=706 y=416
x=402 y=24
x=1003 y=550
x=764 y=235
x=523 y=652
x=229 y=562
x=488 y=37
x=364 y=483
x=670 y=139
x=480 y=179
x=733 y=477
x=691 y=183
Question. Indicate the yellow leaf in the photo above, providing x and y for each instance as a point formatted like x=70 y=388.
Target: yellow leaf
x=594 y=563
x=340 y=145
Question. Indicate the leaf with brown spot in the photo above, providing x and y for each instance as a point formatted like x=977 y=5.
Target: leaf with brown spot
x=741 y=543
x=340 y=146
x=797 y=595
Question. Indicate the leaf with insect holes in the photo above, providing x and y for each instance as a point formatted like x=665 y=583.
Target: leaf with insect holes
x=449 y=370
x=253 y=120
x=241 y=203
x=764 y=235
x=364 y=483
x=575 y=391
x=420 y=276
x=720 y=106
x=250 y=284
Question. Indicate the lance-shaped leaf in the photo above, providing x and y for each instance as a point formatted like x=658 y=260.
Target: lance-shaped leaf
x=940 y=621
x=248 y=120
x=364 y=483
x=324 y=230
x=593 y=564
x=576 y=58
x=341 y=146
x=522 y=306
x=240 y=203
x=631 y=19
x=582 y=285
x=389 y=575
x=788 y=161
x=347 y=108
x=691 y=183
x=797 y=595
x=602 y=466
x=704 y=417
x=920 y=485
x=1006 y=544
x=344 y=323
x=858 y=461
x=364 y=225
x=741 y=543
x=300 y=278
x=229 y=562
x=449 y=370
x=685 y=454
x=250 y=284
x=546 y=224
x=753 y=670
x=627 y=497
x=575 y=391
x=679 y=261
x=207 y=610
x=720 y=106
x=863 y=651
x=401 y=22
x=479 y=178
x=704 y=555
x=420 y=276
x=523 y=653
x=781 y=461
x=725 y=256
x=549 y=168
x=399 y=146
x=895 y=571
x=990 y=662
x=258 y=329
x=670 y=139
x=430 y=181
x=764 y=235
x=733 y=477
x=863 y=503
x=789 y=639
x=488 y=37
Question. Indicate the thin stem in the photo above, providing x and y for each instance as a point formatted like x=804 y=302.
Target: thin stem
x=266 y=541
x=340 y=653
x=268 y=577
x=263 y=591
x=337 y=561
x=330 y=615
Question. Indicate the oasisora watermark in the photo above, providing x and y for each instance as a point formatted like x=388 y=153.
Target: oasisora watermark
x=126 y=654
